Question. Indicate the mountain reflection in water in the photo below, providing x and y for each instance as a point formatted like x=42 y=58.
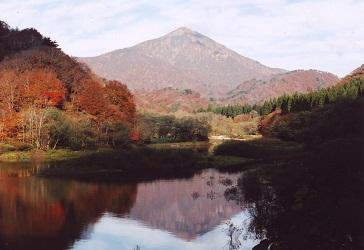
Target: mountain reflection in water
x=39 y=213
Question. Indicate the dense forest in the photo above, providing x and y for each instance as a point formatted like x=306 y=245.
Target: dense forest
x=319 y=116
x=296 y=102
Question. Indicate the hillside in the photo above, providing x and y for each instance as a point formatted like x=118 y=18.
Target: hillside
x=169 y=100
x=302 y=81
x=46 y=93
x=182 y=59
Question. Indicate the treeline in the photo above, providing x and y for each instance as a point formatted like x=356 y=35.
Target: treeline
x=232 y=110
x=48 y=99
x=14 y=40
x=306 y=102
x=153 y=128
x=297 y=102
x=330 y=122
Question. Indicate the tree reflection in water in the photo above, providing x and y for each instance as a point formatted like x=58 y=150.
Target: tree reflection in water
x=38 y=213
x=315 y=202
x=234 y=232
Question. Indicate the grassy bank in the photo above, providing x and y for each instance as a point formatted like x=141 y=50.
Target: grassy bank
x=43 y=156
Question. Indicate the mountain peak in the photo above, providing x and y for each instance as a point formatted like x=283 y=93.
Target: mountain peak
x=182 y=31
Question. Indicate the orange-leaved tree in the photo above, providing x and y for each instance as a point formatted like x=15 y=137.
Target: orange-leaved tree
x=10 y=91
x=42 y=89
x=121 y=99
x=90 y=99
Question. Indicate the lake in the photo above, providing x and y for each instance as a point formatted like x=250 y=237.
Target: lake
x=41 y=213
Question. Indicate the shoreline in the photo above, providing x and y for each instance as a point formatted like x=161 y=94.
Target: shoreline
x=153 y=160
x=64 y=154
x=118 y=164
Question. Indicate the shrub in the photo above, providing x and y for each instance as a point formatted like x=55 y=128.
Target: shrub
x=116 y=134
x=160 y=129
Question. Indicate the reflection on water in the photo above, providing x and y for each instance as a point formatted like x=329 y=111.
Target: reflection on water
x=186 y=208
x=40 y=213
x=124 y=233
x=50 y=214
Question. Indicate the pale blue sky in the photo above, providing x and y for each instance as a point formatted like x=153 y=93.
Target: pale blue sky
x=292 y=34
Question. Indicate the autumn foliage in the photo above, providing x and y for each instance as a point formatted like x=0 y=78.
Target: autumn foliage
x=118 y=95
x=36 y=77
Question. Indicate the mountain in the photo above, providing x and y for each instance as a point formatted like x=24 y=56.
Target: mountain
x=182 y=59
x=258 y=90
x=169 y=100
x=176 y=207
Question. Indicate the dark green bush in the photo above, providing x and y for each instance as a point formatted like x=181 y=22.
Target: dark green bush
x=171 y=129
x=341 y=119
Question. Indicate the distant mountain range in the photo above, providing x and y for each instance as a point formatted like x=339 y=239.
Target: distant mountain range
x=185 y=59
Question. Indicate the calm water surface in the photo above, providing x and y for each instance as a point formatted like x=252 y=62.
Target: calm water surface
x=40 y=213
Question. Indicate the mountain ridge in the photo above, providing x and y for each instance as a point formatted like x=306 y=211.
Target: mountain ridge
x=302 y=81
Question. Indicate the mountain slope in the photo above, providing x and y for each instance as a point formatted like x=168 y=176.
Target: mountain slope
x=355 y=74
x=181 y=59
x=255 y=91
x=169 y=100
